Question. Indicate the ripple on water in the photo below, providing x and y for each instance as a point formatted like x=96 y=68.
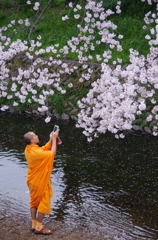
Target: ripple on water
x=110 y=185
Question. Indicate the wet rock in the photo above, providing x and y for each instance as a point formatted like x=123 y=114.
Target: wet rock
x=74 y=111
x=137 y=122
x=154 y=123
x=43 y=114
x=68 y=109
x=74 y=118
x=65 y=116
x=56 y=115
x=49 y=114
x=137 y=128
x=147 y=129
x=28 y=112
x=35 y=112
x=11 y=109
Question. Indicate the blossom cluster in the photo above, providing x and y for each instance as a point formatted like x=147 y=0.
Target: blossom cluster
x=95 y=23
x=36 y=5
x=115 y=98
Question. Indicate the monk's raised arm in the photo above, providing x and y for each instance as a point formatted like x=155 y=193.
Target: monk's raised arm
x=47 y=146
x=53 y=137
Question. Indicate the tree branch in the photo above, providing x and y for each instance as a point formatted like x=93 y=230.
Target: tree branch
x=38 y=18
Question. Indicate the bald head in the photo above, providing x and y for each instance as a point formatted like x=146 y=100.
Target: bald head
x=28 y=137
x=31 y=138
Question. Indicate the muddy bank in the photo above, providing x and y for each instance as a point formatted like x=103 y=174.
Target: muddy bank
x=16 y=227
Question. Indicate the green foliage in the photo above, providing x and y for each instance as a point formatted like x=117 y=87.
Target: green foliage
x=53 y=30
x=135 y=8
x=6 y=3
x=57 y=101
x=134 y=36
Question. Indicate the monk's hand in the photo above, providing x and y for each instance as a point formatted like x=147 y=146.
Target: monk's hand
x=55 y=134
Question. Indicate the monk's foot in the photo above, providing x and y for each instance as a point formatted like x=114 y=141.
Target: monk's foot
x=43 y=231
x=32 y=229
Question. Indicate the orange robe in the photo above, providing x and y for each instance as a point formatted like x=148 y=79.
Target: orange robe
x=40 y=162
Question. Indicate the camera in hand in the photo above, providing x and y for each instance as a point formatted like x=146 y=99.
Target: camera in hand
x=58 y=140
x=56 y=127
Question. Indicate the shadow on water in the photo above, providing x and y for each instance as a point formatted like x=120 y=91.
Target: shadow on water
x=108 y=183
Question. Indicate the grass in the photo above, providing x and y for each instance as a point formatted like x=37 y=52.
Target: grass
x=54 y=30
x=62 y=103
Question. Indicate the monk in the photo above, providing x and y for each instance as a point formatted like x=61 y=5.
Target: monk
x=40 y=162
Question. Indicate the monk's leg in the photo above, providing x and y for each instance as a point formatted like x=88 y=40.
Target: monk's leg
x=36 y=223
x=40 y=229
x=33 y=212
x=39 y=225
x=43 y=208
x=40 y=217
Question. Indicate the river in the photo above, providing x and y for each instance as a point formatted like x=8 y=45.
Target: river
x=109 y=184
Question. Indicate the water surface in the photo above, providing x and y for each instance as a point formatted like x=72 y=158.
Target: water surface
x=109 y=184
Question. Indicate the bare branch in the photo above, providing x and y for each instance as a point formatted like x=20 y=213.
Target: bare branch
x=38 y=18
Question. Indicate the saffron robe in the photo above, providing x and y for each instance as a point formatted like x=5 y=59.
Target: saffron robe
x=40 y=162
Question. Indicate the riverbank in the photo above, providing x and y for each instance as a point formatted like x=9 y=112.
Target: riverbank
x=16 y=227
x=65 y=106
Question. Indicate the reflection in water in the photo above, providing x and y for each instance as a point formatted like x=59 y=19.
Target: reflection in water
x=108 y=183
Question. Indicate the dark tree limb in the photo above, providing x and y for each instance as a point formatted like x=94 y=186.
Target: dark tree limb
x=38 y=19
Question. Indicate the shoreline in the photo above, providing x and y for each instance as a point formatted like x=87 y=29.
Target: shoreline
x=15 y=227
x=65 y=117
